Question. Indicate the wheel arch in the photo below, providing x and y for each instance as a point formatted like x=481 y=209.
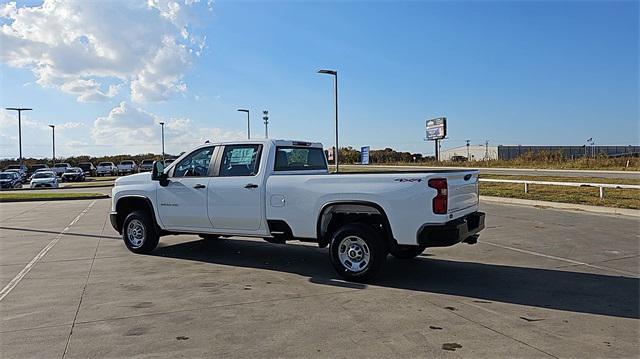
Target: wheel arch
x=127 y=204
x=363 y=207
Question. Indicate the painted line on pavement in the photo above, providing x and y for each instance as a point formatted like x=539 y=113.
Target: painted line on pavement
x=558 y=258
x=14 y=282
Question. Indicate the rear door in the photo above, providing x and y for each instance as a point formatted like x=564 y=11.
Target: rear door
x=182 y=204
x=462 y=190
x=235 y=191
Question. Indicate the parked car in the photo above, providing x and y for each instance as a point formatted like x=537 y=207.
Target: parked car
x=88 y=168
x=38 y=170
x=106 y=169
x=10 y=179
x=60 y=168
x=282 y=190
x=73 y=174
x=38 y=166
x=20 y=169
x=127 y=167
x=44 y=179
x=146 y=165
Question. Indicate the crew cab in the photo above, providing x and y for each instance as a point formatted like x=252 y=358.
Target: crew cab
x=282 y=190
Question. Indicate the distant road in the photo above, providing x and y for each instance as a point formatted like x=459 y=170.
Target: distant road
x=531 y=171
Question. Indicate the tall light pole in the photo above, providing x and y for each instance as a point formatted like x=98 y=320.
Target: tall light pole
x=265 y=118
x=53 y=133
x=162 y=126
x=248 y=125
x=19 y=109
x=335 y=94
x=468 y=152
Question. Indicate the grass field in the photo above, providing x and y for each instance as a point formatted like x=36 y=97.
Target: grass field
x=45 y=196
x=613 y=164
x=87 y=184
x=634 y=181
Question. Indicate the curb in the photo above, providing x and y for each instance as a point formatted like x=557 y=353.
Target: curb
x=563 y=206
x=2 y=200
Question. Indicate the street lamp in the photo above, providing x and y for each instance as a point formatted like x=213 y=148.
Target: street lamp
x=53 y=132
x=265 y=118
x=162 y=125
x=19 y=109
x=335 y=93
x=468 y=153
x=248 y=126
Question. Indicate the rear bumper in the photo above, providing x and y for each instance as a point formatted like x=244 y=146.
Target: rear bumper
x=453 y=232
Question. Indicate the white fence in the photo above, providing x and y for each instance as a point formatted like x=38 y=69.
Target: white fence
x=600 y=186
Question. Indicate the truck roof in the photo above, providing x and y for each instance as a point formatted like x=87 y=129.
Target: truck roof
x=275 y=142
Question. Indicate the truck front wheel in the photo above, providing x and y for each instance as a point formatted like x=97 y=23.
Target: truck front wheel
x=139 y=232
x=357 y=252
x=407 y=252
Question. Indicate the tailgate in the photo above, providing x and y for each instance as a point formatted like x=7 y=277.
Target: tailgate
x=462 y=190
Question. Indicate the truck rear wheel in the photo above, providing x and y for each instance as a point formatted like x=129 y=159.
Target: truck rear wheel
x=357 y=252
x=139 y=232
x=407 y=252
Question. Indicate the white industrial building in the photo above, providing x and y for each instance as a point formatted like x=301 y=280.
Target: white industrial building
x=476 y=153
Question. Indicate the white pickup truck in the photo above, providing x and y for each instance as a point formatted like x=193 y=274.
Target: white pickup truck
x=282 y=190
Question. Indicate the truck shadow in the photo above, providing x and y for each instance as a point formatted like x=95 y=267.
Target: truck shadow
x=545 y=288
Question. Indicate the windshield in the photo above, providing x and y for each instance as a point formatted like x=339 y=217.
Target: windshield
x=126 y=162
x=37 y=167
x=104 y=164
x=43 y=175
x=61 y=165
x=6 y=176
x=72 y=170
x=14 y=167
x=147 y=162
x=85 y=165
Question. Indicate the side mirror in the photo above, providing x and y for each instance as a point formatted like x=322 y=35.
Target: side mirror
x=157 y=173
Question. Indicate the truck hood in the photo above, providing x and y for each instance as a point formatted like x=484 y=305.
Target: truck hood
x=134 y=179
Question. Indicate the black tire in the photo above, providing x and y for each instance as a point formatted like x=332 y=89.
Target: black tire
x=148 y=236
x=407 y=252
x=356 y=233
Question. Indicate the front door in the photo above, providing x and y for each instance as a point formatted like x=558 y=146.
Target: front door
x=182 y=204
x=235 y=193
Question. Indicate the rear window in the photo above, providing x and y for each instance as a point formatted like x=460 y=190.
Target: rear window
x=299 y=159
x=104 y=164
x=126 y=162
x=147 y=162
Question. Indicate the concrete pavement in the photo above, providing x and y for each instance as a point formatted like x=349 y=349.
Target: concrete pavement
x=540 y=283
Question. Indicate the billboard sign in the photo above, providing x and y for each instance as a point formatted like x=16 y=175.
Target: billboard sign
x=437 y=128
x=364 y=155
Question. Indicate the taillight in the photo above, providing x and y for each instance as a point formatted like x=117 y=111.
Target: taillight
x=440 y=200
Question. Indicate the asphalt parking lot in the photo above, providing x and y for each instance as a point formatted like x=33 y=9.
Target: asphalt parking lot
x=540 y=283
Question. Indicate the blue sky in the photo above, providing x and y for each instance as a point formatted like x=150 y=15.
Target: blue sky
x=508 y=72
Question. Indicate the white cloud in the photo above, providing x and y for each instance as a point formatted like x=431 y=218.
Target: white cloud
x=90 y=48
x=128 y=129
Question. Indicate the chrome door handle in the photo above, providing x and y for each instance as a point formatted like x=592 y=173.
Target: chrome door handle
x=199 y=186
x=251 y=185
